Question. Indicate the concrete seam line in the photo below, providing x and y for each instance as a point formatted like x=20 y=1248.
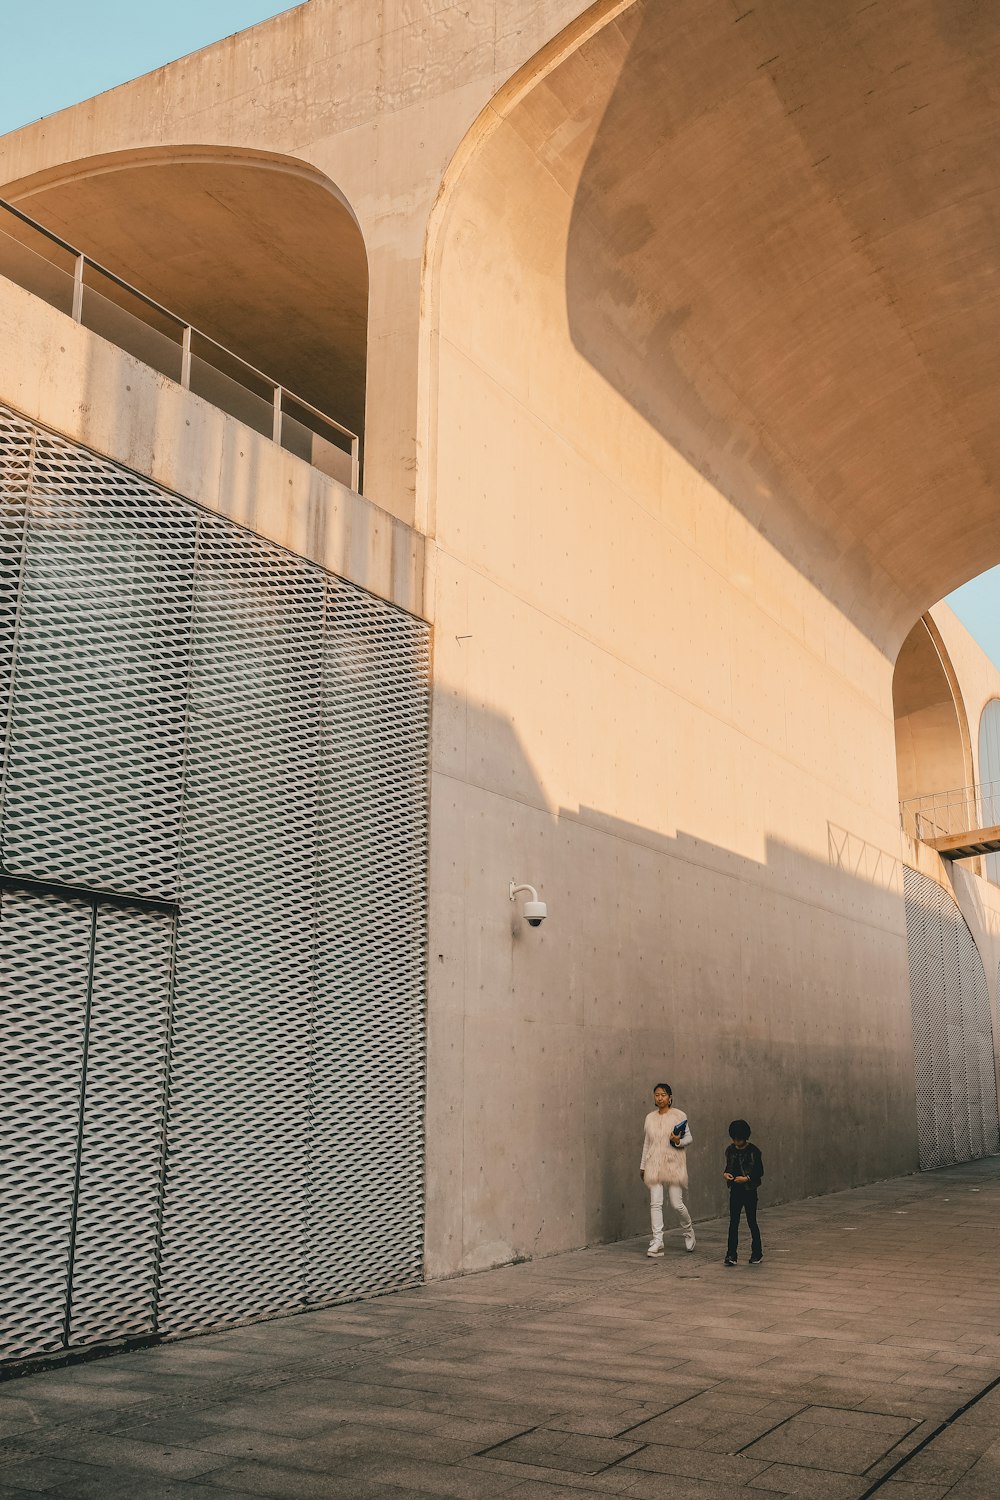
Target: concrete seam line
x=941 y=1427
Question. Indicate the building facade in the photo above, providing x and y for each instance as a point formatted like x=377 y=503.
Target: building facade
x=518 y=442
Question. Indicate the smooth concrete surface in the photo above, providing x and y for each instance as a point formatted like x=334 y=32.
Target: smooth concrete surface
x=62 y=375
x=860 y=1357
x=644 y=707
x=791 y=274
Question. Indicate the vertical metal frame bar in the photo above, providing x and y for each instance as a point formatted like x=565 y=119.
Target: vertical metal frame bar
x=75 y=1206
x=78 y=289
x=276 y=427
x=172 y=995
x=186 y=357
x=18 y=617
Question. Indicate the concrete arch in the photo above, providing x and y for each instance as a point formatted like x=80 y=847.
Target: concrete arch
x=261 y=251
x=779 y=264
x=933 y=742
x=489 y=120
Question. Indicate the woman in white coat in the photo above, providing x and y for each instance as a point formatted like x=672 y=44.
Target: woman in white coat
x=664 y=1165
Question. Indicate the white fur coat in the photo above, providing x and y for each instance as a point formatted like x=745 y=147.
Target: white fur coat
x=662 y=1162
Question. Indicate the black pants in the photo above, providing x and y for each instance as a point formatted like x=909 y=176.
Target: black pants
x=743 y=1199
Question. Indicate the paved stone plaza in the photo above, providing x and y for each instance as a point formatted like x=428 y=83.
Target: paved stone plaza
x=840 y=1366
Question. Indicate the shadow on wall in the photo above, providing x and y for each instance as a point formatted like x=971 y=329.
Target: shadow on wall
x=742 y=261
x=774 y=988
x=782 y=981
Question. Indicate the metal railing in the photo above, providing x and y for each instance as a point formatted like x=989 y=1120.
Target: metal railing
x=42 y=263
x=943 y=815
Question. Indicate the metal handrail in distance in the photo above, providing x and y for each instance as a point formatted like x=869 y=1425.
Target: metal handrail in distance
x=97 y=298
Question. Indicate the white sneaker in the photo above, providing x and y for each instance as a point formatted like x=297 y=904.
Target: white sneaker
x=689 y=1239
x=655 y=1247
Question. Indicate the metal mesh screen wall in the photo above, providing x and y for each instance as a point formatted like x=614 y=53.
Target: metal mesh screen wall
x=989 y=768
x=956 y=1084
x=212 y=909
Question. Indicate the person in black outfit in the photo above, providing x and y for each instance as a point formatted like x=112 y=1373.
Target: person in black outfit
x=744 y=1170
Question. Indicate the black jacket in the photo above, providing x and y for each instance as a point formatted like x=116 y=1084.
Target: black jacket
x=747 y=1162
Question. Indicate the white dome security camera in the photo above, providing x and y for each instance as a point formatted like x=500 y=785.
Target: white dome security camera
x=535 y=911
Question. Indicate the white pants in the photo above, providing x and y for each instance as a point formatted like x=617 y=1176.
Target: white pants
x=676 y=1195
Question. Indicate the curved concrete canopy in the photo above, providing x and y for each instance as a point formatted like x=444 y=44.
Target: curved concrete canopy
x=261 y=254
x=784 y=254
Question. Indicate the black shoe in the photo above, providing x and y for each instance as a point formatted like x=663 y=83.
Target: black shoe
x=755 y=1260
x=730 y=1260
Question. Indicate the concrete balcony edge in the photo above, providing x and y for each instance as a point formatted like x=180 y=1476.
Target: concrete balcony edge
x=67 y=378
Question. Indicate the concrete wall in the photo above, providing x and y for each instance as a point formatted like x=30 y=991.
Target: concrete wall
x=642 y=706
x=80 y=385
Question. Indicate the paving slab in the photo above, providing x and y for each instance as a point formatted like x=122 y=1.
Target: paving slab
x=862 y=1356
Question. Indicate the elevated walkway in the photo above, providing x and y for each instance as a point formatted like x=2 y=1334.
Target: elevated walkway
x=958 y=824
x=48 y=267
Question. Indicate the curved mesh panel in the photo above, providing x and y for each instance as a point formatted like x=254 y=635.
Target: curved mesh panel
x=956 y=1088
x=989 y=772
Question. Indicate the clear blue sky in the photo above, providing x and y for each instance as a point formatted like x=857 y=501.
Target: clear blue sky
x=57 y=52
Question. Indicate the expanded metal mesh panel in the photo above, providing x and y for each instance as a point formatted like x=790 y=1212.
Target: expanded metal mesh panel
x=121 y=1150
x=973 y=987
x=371 y=949
x=93 y=791
x=920 y=954
x=44 y=977
x=200 y=718
x=958 y=1081
x=956 y=1091
x=985 y=1065
x=17 y=438
x=989 y=769
x=943 y=983
x=245 y=993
